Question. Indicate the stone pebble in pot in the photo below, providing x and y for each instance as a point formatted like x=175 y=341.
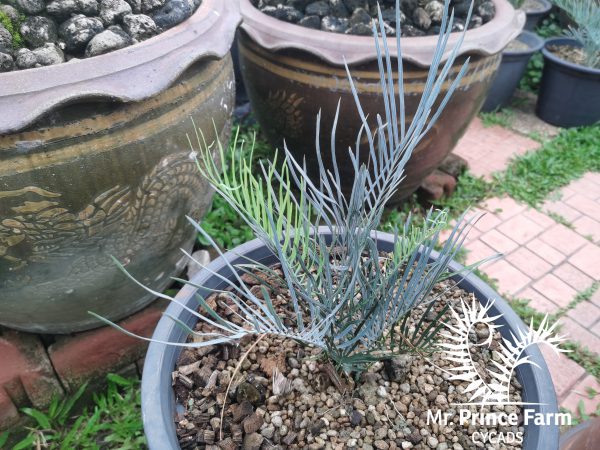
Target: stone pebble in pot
x=36 y=33
x=417 y=18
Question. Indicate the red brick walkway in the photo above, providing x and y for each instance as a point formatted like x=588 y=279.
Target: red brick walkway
x=33 y=372
x=488 y=150
x=549 y=256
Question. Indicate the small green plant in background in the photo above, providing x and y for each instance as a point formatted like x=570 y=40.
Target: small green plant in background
x=580 y=415
x=530 y=178
x=533 y=74
x=559 y=219
x=503 y=118
x=536 y=136
x=586 y=15
x=12 y=26
x=112 y=421
x=225 y=225
x=583 y=356
x=549 y=27
x=470 y=190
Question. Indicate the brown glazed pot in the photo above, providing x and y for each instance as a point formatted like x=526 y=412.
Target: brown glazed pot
x=95 y=162
x=291 y=72
x=584 y=436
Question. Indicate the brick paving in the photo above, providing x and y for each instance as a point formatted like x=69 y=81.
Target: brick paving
x=489 y=149
x=33 y=372
x=550 y=255
x=578 y=204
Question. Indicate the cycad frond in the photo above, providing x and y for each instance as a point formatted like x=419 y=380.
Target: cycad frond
x=586 y=15
x=345 y=297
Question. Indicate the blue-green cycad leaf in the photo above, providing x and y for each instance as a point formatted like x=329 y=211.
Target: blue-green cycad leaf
x=586 y=29
x=346 y=298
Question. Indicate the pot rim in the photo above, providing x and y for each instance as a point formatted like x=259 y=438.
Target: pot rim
x=274 y=34
x=546 y=6
x=157 y=396
x=129 y=74
x=548 y=55
x=531 y=48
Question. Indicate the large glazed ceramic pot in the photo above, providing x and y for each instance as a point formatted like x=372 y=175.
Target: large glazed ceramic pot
x=95 y=162
x=291 y=72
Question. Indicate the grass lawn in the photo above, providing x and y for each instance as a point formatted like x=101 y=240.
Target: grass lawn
x=111 y=420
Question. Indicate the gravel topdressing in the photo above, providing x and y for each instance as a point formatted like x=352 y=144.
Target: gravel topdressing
x=35 y=33
x=417 y=18
x=316 y=408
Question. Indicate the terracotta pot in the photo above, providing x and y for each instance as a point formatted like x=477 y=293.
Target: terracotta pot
x=95 y=162
x=291 y=72
x=584 y=436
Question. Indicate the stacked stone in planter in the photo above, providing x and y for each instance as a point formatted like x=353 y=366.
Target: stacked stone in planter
x=417 y=17
x=55 y=31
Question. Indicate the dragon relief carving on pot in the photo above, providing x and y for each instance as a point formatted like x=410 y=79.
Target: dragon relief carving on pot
x=289 y=115
x=119 y=222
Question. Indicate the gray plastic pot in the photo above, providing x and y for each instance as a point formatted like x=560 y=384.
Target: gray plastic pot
x=510 y=72
x=569 y=93
x=158 y=403
x=534 y=16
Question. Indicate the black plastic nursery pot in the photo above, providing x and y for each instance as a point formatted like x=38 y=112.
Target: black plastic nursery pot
x=158 y=402
x=569 y=93
x=511 y=70
x=533 y=17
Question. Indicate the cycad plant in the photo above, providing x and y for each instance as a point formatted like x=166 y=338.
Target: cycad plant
x=347 y=298
x=586 y=15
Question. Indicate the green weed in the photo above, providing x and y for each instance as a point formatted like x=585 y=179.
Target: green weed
x=531 y=177
x=470 y=190
x=586 y=358
x=112 y=421
x=12 y=26
x=559 y=219
x=503 y=118
x=527 y=313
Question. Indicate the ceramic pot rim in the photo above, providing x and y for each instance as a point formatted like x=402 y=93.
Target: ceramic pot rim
x=531 y=47
x=563 y=63
x=130 y=74
x=274 y=34
x=546 y=6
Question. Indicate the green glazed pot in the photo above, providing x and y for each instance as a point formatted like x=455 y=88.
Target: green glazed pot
x=95 y=163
